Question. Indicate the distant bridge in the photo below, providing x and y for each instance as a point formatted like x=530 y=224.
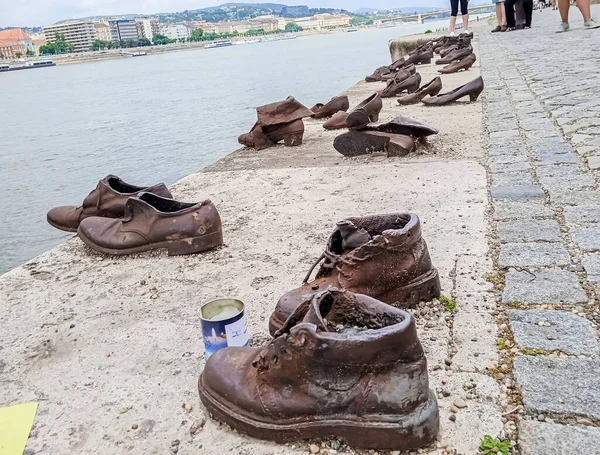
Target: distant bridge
x=422 y=16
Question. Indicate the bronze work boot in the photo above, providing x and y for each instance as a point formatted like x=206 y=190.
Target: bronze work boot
x=107 y=200
x=472 y=89
x=431 y=88
x=337 y=104
x=363 y=114
x=383 y=256
x=463 y=64
x=152 y=222
x=394 y=87
x=277 y=121
x=344 y=365
x=420 y=58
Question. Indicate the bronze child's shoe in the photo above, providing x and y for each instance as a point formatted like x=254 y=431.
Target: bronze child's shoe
x=343 y=365
x=394 y=87
x=455 y=67
x=431 y=88
x=473 y=89
x=107 y=200
x=363 y=114
x=338 y=103
x=153 y=222
x=383 y=256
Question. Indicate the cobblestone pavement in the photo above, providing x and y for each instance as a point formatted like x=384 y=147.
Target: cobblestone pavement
x=543 y=116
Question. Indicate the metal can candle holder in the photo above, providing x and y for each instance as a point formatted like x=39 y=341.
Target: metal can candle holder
x=223 y=324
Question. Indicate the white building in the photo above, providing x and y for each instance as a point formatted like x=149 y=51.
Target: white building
x=174 y=31
x=81 y=34
x=147 y=27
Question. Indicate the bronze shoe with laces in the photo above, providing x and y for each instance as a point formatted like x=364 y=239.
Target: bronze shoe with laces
x=106 y=200
x=383 y=256
x=343 y=365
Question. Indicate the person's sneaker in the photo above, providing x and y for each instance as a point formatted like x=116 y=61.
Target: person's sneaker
x=592 y=23
x=564 y=27
x=452 y=34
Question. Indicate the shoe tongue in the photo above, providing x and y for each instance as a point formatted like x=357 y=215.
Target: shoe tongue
x=352 y=236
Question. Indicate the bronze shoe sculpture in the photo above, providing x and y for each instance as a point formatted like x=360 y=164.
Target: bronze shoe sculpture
x=456 y=54
x=455 y=67
x=344 y=365
x=378 y=74
x=433 y=87
x=401 y=73
x=107 y=200
x=363 y=114
x=338 y=103
x=277 y=121
x=365 y=142
x=472 y=89
x=153 y=222
x=383 y=256
x=420 y=58
x=394 y=87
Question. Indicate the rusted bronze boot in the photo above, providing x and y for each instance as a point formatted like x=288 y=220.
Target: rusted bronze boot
x=152 y=222
x=343 y=365
x=277 y=121
x=338 y=103
x=107 y=200
x=383 y=256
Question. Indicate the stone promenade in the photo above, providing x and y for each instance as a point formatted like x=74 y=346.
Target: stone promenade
x=543 y=118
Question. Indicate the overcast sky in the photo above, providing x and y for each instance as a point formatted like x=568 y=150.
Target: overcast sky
x=44 y=12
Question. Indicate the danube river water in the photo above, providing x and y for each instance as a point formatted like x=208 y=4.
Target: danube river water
x=152 y=119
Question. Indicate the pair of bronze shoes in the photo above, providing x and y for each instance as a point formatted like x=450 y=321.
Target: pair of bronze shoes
x=345 y=360
x=358 y=118
x=119 y=218
x=277 y=121
x=404 y=80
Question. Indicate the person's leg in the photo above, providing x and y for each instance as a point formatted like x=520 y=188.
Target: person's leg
x=509 y=6
x=499 y=9
x=453 y=14
x=528 y=7
x=563 y=7
x=464 y=10
x=584 y=7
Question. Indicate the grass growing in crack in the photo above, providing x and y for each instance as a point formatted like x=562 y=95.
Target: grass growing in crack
x=449 y=304
x=491 y=446
x=535 y=351
x=501 y=343
x=497 y=279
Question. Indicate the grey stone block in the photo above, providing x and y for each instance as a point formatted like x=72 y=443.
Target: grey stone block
x=517 y=192
x=512 y=178
x=528 y=231
x=533 y=255
x=508 y=159
x=507 y=149
x=551 y=330
x=564 y=177
x=543 y=438
x=582 y=215
x=588 y=238
x=504 y=134
x=520 y=210
x=591 y=264
x=572 y=197
x=548 y=159
x=509 y=167
x=594 y=162
x=563 y=386
x=543 y=287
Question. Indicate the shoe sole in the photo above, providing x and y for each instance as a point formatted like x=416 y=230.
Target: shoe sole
x=398 y=432
x=364 y=143
x=422 y=289
x=62 y=228
x=189 y=245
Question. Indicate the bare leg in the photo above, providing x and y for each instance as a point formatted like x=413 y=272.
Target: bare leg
x=503 y=12
x=466 y=20
x=499 y=9
x=563 y=7
x=584 y=7
x=453 y=23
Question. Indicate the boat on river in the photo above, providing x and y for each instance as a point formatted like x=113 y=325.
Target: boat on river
x=27 y=66
x=218 y=43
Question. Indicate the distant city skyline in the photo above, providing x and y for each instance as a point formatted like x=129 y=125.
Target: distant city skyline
x=45 y=12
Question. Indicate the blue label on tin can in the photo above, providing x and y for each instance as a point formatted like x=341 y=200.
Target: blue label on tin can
x=227 y=332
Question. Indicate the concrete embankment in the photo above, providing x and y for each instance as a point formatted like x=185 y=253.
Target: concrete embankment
x=111 y=348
